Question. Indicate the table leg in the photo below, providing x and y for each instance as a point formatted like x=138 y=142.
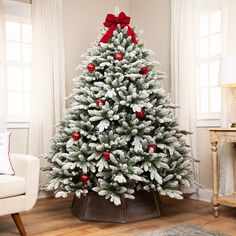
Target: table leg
x=234 y=167
x=215 y=177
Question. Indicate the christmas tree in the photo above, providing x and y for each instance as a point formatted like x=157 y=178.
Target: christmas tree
x=119 y=135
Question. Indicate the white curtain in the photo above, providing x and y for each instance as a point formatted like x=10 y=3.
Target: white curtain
x=229 y=48
x=3 y=89
x=48 y=76
x=183 y=87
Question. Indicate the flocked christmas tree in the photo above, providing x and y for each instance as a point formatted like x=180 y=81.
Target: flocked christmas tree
x=119 y=135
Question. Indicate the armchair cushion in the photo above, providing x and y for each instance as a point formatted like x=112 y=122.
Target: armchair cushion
x=12 y=186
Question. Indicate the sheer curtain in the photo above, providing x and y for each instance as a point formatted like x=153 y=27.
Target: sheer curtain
x=182 y=72
x=48 y=76
x=183 y=87
x=3 y=90
x=229 y=48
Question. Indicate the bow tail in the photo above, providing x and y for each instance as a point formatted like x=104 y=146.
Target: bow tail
x=131 y=33
x=108 y=35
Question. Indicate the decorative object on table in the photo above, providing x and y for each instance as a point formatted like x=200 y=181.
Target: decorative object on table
x=129 y=139
x=228 y=80
x=183 y=230
x=5 y=161
x=217 y=135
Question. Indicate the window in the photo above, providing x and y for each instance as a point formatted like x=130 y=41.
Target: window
x=18 y=58
x=208 y=65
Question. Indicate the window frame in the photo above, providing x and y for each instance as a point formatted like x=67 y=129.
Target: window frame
x=206 y=119
x=19 y=12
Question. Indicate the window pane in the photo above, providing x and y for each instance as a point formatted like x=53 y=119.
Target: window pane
x=215 y=99
x=14 y=78
x=203 y=75
x=13 y=51
x=27 y=103
x=204 y=47
x=26 y=52
x=215 y=25
x=203 y=25
x=27 y=80
x=26 y=33
x=204 y=100
x=12 y=31
x=214 y=73
x=15 y=104
x=18 y=73
x=215 y=44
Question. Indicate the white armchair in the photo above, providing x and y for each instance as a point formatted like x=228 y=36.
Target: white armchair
x=19 y=192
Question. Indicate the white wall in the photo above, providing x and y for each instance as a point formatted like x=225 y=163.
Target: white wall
x=204 y=155
x=19 y=140
x=153 y=17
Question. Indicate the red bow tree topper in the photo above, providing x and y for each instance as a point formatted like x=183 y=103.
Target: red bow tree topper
x=112 y=21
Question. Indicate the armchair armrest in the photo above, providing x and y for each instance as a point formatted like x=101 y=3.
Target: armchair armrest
x=27 y=166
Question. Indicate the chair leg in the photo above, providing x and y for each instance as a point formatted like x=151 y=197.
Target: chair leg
x=19 y=224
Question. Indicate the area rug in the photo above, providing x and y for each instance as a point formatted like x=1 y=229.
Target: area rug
x=183 y=230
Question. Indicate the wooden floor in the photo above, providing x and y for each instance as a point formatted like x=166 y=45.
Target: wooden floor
x=52 y=217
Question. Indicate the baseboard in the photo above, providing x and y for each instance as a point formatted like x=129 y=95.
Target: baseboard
x=45 y=194
x=203 y=195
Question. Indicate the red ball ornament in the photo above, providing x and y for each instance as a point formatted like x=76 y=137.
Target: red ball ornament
x=91 y=67
x=106 y=155
x=100 y=102
x=140 y=114
x=144 y=70
x=84 y=178
x=119 y=56
x=76 y=136
x=152 y=148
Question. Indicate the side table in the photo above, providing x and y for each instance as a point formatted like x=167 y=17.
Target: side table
x=217 y=135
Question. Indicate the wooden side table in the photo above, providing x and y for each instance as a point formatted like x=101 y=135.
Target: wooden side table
x=217 y=135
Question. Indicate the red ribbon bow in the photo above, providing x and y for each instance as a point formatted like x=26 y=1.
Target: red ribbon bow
x=112 y=21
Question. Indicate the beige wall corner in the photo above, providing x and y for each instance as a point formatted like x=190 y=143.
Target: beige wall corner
x=204 y=154
x=153 y=17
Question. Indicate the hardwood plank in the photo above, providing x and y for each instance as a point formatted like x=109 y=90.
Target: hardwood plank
x=53 y=217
